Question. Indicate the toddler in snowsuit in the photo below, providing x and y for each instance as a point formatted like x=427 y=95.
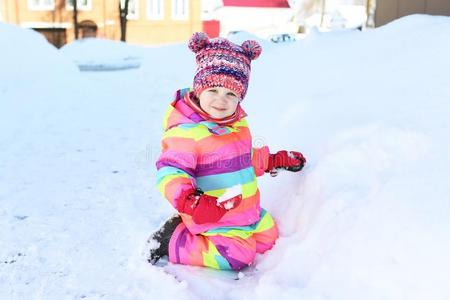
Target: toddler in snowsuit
x=208 y=167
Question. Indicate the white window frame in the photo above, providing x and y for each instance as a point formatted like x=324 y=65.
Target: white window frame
x=135 y=15
x=41 y=6
x=177 y=6
x=152 y=15
x=86 y=7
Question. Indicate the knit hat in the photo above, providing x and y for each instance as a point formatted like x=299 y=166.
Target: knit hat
x=221 y=63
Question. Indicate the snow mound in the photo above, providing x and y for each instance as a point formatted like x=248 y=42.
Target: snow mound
x=93 y=54
x=241 y=36
x=26 y=56
x=412 y=23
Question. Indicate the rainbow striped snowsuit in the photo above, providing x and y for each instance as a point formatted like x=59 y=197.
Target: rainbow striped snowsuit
x=198 y=153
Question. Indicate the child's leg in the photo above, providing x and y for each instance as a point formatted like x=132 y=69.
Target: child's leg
x=216 y=251
x=157 y=245
x=266 y=233
x=238 y=252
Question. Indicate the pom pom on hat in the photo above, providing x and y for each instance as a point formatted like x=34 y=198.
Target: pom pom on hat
x=252 y=48
x=198 y=41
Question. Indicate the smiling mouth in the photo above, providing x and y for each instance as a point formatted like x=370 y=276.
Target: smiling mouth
x=219 y=109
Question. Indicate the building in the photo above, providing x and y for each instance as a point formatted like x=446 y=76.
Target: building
x=149 y=21
x=274 y=17
x=389 y=10
x=260 y=17
x=171 y=21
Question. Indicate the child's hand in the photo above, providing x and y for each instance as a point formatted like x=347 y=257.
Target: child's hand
x=288 y=160
x=203 y=208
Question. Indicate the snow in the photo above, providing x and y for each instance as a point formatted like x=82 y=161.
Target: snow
x=26 y=56
x=92 y=54
x=366 y=219
x=231 y=192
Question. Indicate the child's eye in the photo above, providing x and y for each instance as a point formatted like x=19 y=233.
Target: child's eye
x=212 y=90
x=231 y=94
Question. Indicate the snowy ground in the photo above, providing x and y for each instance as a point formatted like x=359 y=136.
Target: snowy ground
x=368 y=219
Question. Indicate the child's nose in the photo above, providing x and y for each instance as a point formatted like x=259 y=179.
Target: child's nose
x=222 y=98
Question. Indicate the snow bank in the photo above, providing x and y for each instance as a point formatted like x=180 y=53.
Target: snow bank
x=241 y=36
x=27 y=57
x=34 y=81
x=367 y=219
x=165 y=68
x=93 y=54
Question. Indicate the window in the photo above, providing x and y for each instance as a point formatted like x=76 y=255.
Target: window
x=155 y=9
x=180 y=9
x=133 y=9
x=81 y=4
x=41 y=4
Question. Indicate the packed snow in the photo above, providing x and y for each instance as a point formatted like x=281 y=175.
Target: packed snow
x=92 y=54
x=366 y=219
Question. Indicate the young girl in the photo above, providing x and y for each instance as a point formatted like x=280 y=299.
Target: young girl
x=208 y=168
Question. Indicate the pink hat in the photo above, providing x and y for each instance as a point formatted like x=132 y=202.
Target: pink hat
x=222 y=63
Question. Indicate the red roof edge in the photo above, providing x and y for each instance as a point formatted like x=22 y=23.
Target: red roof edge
x=257 y=3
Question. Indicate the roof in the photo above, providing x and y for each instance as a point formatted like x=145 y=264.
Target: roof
x=257 y=3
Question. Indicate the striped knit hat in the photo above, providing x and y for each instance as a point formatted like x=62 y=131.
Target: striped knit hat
x=222 y=63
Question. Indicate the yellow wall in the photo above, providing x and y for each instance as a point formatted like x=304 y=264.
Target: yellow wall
x=106 y=15
x=144 y=31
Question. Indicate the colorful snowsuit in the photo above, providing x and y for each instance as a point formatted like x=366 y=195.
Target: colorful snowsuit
x=198 y=153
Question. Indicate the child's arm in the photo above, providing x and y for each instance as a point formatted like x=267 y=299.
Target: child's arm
x=264 y=162
x=176 y=164
x=285 y=160
x=176 y=178
x=260 y=160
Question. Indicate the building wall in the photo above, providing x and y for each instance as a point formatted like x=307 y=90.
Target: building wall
x=145 y=31
x=105 y=14
x=389 y=10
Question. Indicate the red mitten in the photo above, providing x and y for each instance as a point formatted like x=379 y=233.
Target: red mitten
x=288 y=160
x=203 y=208
x=207 y=210
x=186 y=202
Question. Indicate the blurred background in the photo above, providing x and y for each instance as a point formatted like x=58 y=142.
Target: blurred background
x=159 y=22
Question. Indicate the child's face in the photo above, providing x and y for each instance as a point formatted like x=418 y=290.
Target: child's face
x=219 y=102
